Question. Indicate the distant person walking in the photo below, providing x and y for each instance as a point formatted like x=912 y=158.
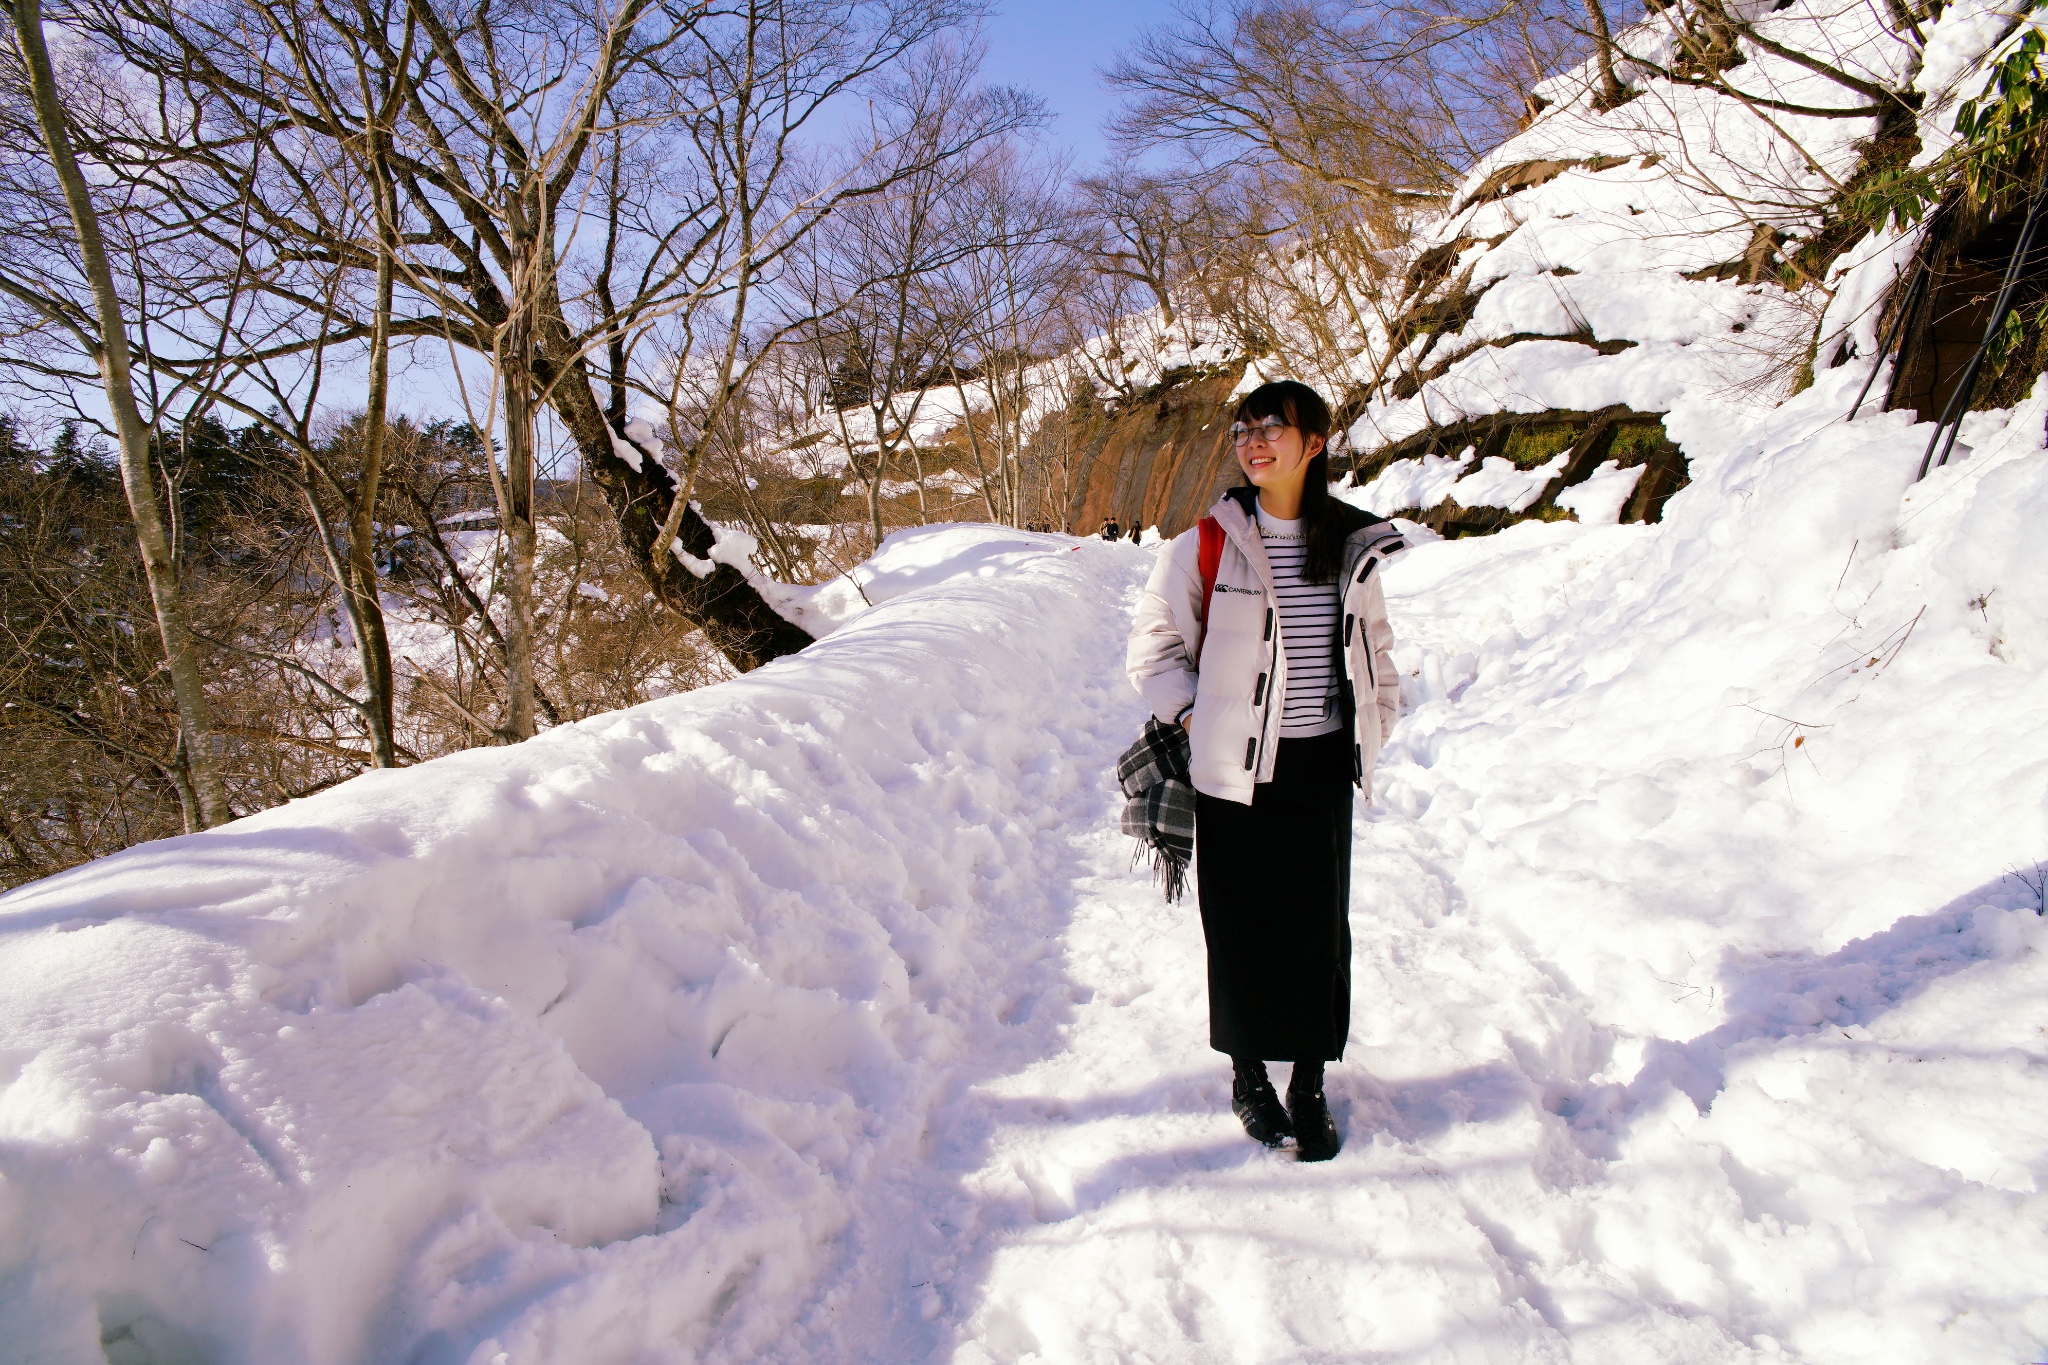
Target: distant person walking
x=1110 y=530
x=1270 y=646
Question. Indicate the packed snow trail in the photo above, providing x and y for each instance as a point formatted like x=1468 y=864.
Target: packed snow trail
x=821 y=1014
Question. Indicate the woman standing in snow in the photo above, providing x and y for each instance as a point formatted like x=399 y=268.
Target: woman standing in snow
x=1278 y=666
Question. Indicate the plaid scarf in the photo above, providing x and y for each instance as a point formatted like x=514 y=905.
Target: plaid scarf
x=1160 y=814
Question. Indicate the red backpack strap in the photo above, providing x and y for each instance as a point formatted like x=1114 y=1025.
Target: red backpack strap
x=1211 y=532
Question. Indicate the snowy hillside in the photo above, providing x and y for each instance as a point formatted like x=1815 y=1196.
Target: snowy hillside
x=1612 y=264
x=819 y=1015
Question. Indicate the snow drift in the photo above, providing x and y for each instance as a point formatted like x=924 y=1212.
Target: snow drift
x=444 y=1060
x=821 y=1015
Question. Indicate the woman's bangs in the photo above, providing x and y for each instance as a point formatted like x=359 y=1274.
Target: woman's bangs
x=1293 y=402
x=1260 y=404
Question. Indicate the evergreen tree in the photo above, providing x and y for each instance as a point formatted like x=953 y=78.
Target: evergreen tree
x=82 y=462
x=14 y=452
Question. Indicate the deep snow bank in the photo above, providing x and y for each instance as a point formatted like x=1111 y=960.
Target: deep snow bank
x=559 y=1052
x=1751 y=786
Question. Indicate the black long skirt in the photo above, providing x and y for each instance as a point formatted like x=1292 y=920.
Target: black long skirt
x=1274 y=879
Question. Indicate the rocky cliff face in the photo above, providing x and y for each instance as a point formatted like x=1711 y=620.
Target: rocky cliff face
x=1159 y=459
x=1541 y=467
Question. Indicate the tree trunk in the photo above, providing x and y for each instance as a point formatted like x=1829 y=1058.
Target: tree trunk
x=1161 y=297
x=516 y=375
x=988 y=497
x=195 y=735
x=924 y=511
x=735 y=618
x=875 y=491
x=1007 y=450
x=373 y=645
x=1612 y=95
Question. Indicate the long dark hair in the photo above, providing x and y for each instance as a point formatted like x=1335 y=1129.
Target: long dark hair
x=1302 y=408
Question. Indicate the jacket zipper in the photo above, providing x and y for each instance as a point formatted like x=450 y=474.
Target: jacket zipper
x=1372 y=675
x=1262 y=698
x=1350 y=620
x=1252 y=745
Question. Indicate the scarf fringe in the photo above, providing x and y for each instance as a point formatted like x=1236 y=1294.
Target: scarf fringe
x=1170 y=868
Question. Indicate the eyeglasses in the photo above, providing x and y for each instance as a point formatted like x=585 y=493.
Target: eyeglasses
x=1267 y=431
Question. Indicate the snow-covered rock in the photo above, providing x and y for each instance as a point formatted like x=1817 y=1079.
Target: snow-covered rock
x=1633 y=257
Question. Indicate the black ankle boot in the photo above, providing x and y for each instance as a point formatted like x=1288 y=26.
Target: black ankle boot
x=1256 y=1105
x=1315 y=1132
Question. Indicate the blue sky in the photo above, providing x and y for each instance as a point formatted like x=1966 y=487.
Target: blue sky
x=1058 y=48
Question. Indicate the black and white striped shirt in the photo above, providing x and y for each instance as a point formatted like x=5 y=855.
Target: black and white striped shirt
x=1308 y=632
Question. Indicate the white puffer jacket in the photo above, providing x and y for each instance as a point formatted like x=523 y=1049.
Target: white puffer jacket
x=1238 y=684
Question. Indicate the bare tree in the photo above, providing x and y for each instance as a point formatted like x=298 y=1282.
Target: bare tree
x=1140 y=220
x=871 y=316
x=1000 y=304
x=631 y=164
x=340 y=470
x=1309 y=135
x=1612 y=93
x=383 y=91
x=102 y=332
x=1385 y=100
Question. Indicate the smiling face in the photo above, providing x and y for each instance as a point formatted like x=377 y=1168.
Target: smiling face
x=1276 y=459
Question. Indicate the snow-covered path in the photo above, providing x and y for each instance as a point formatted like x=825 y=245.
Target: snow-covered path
x=821 y=1016
x=1083 y=1192
x=1670 y=1040
x=1115 y=1210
